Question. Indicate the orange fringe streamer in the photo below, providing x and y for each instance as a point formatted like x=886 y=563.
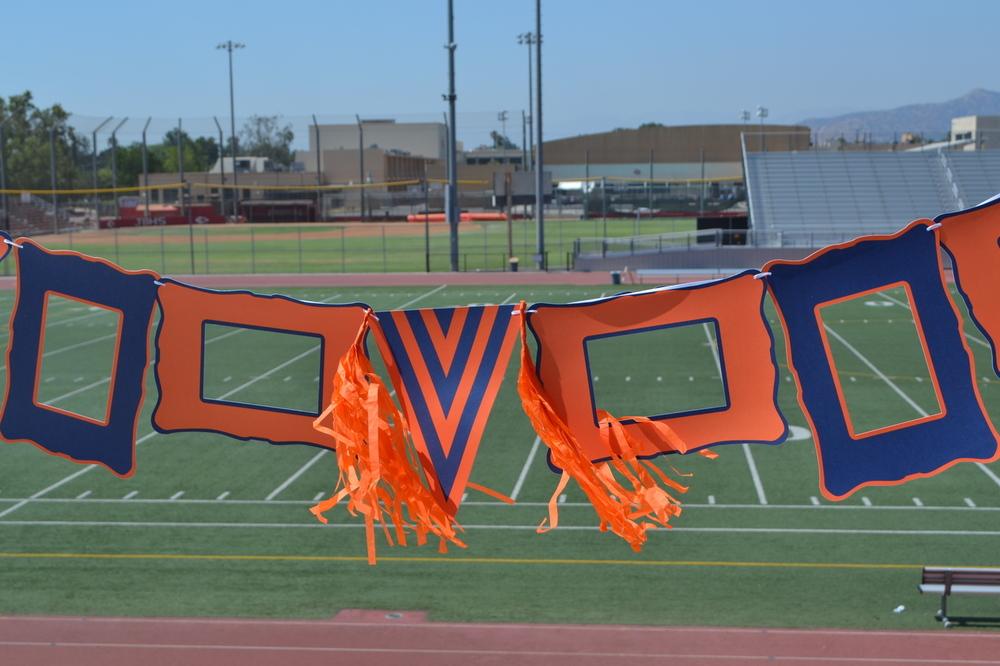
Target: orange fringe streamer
x=379 y=473
x=629 y=507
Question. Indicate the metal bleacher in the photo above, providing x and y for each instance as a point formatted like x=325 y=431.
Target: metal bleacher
x=819 y=197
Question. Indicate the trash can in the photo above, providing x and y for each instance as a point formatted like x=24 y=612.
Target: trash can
x=512 y=262
x=616 y=277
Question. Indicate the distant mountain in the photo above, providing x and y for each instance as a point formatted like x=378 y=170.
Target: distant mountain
x=933 y=120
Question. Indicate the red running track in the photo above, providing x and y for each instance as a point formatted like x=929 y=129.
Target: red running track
x=368 y=638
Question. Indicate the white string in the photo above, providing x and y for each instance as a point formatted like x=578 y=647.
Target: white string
x=761 y=275
x=10 y=242
x=934 y=226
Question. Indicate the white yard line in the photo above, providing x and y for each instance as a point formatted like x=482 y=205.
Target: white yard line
x=496 y=527
x=421 y=297
x=878 y=373
x=99 y=382
x=176 y=496
x=84 y=470
x=970 y=336
x=524 y=470
x=67 y=348
x=754 y=474
x=221 y=499
x=917 y=408
x=299 y=472
x=508 y=299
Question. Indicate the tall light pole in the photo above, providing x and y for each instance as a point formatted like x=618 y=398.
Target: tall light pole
x=229 y=46
x=762 y=114
x=539 y=158
x=528 y=39
x=451 y=200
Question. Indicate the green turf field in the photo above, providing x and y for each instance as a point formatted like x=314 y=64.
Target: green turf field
x=213 y=526
x=333 y=248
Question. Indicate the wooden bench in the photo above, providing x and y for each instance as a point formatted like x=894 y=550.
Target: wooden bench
x=959 y=580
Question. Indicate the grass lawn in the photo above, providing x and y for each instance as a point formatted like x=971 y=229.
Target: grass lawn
x=338 y=248
x=214 y=526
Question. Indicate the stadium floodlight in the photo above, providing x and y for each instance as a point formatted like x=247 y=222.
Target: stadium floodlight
x=762 y=114
x=745 y=116
x=229 y=46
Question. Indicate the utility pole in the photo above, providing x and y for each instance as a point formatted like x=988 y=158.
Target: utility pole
x=3 y=175
x=93 y=167
x=222 y=169
x=361 y=162
x=502 y=117
x=539 y=159
x=145 y=166
x=52 y=179
x=114 y=154
x=451 y=194
x=319 y=174
x=229 y=46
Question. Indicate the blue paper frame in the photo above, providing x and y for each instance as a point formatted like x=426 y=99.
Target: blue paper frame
x=61 y=433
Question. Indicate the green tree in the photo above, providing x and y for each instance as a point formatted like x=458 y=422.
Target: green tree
x=27 y=146
x=264 y=136
x=501 y=141
x=199 y=154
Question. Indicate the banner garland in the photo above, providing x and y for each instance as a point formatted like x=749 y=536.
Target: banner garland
x=413 y=479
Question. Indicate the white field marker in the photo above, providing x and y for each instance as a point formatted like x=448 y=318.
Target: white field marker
x=295 y=475
x=562 y=499
x=754 y=474
x=917 y=501
x=917 y=408
x=129 y=495
x=318 y=496
x=84 y=495
x=969 y=503
x=814 y=500
x=176 y=496
x=866 y=501
x=711 y=499
x=222 y=496
x=524 y=470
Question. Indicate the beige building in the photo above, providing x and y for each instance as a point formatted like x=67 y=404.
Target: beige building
x=676 y=152
x=977 y=131
x=427 y=140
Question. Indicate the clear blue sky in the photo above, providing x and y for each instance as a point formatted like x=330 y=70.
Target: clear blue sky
x=605 y=64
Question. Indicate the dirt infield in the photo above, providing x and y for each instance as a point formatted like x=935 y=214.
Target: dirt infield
x=364 y=638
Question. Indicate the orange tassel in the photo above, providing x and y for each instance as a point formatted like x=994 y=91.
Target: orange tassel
x=379 y=472
x=628 y=504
